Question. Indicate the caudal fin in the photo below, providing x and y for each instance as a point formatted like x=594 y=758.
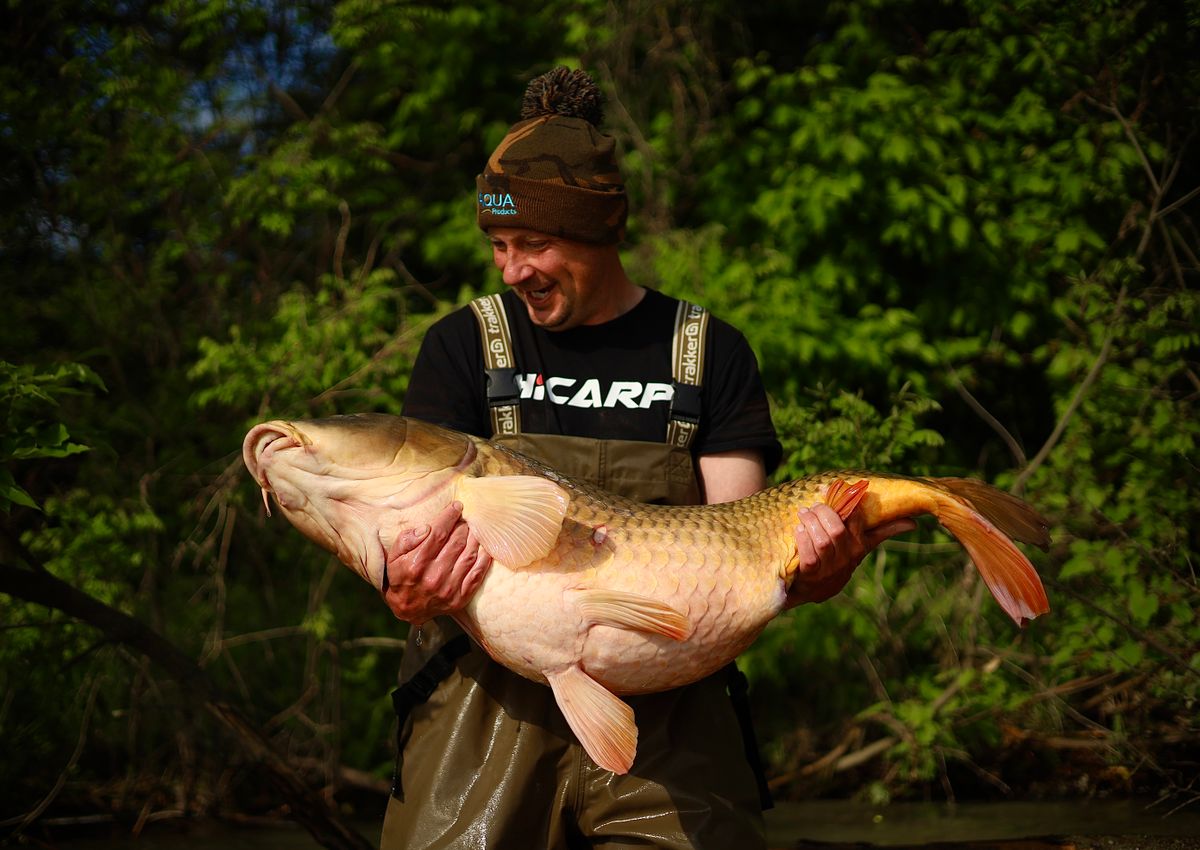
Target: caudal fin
x=1014 y=517
x=982 y=518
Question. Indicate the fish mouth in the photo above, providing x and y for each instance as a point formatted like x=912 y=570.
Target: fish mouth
x=261 y=443
x=268 y=438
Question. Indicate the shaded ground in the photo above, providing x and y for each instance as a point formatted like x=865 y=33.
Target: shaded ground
x=821 y=825
x=1069 y=843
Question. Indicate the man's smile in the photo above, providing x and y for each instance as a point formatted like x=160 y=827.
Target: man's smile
x=538 y=296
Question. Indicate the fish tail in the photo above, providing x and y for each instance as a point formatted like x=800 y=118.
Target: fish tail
x=982 y=519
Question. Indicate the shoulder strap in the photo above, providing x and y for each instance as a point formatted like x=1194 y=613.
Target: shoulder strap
x=687 y=373
x=503 y=394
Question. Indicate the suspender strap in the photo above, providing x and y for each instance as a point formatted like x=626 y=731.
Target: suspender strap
x=739 y=695
x=503 y=394
x=687 y=373
x=417 y=691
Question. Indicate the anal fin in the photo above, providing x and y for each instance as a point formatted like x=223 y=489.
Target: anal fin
x=602 y=721
x=623 y=610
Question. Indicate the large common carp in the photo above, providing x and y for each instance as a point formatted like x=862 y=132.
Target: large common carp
x=591 y=593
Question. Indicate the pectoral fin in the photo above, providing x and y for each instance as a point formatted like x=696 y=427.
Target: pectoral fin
x=603 y=723
x=631 y=611
x=517 y=518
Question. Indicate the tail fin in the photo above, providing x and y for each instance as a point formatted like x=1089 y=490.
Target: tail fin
x=1008 y=513
x=982 y=518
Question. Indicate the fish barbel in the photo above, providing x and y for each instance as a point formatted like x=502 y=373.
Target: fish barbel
x=591 y=593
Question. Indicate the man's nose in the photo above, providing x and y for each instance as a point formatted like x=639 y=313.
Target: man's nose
x=515 y=267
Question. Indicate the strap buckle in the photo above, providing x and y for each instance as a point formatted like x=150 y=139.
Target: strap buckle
x=502 y=388
x=685 y=403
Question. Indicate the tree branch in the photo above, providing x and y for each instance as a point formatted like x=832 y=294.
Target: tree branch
x=307 y=808
x=1076 y=400
x=995 y=424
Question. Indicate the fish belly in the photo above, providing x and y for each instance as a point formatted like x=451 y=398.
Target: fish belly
x=729 y=589
x=726 y=582
x=522 y=618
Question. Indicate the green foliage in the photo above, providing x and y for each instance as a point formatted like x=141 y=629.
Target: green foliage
x=337 y=344
x=843 y=431
x=967 y=208
x=959 y=236
x=29 y=428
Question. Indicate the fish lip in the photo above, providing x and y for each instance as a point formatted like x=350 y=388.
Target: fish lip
x=263 y=438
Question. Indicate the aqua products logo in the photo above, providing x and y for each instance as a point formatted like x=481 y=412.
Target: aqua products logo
x=499 y=203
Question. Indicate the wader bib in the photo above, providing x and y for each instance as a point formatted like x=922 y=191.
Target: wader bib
x=485 y=758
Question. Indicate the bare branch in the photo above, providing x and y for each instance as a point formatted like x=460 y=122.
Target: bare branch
x=29 y=817
x=1133 y=140
x=325 y=824
x=340 y=247
x=1076 y=400
x=336 y=92
x=995 y=424
x=1176 y=204
x=289 y=103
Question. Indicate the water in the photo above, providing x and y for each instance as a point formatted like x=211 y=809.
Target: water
x=1123 y=825
x=915 y=824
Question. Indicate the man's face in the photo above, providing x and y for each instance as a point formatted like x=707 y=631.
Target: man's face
x=560 y=280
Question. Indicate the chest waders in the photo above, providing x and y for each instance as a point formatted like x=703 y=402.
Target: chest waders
x=508 y=771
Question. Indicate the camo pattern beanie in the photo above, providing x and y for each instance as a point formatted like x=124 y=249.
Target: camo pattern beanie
x=555 y=172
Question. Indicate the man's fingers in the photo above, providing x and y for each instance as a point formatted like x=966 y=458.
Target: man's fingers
x=442 y=531
x=805 y=552
x=833 y=542
x=434 y=569
x=817 y=532
x=476 y=574
x=828 y=519
x=407 y=540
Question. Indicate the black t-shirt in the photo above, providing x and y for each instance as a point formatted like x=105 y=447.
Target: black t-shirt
x=609 y=381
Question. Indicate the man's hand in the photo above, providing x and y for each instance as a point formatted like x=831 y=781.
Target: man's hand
x=435 y=570
x=829 y=550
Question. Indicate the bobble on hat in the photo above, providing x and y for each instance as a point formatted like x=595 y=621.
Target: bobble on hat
x=571 y=94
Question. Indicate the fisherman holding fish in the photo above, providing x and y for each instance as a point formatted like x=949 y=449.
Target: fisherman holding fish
x=607 y=382
x=576 y=684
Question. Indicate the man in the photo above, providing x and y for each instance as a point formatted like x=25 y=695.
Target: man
x=578 y=365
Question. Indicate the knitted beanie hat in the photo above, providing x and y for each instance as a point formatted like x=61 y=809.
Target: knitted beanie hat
x=555 y=172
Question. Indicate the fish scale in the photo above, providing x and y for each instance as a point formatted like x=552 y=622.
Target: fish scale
x=593 y=594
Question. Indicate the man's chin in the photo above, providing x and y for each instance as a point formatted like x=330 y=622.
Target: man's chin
x=547 y=318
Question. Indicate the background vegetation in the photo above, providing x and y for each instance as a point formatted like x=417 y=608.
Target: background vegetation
x=960 y=234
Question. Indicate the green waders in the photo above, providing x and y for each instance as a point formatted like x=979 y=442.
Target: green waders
x=486 y=760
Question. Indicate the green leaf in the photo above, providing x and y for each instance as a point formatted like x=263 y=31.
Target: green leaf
x=1143 y=605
